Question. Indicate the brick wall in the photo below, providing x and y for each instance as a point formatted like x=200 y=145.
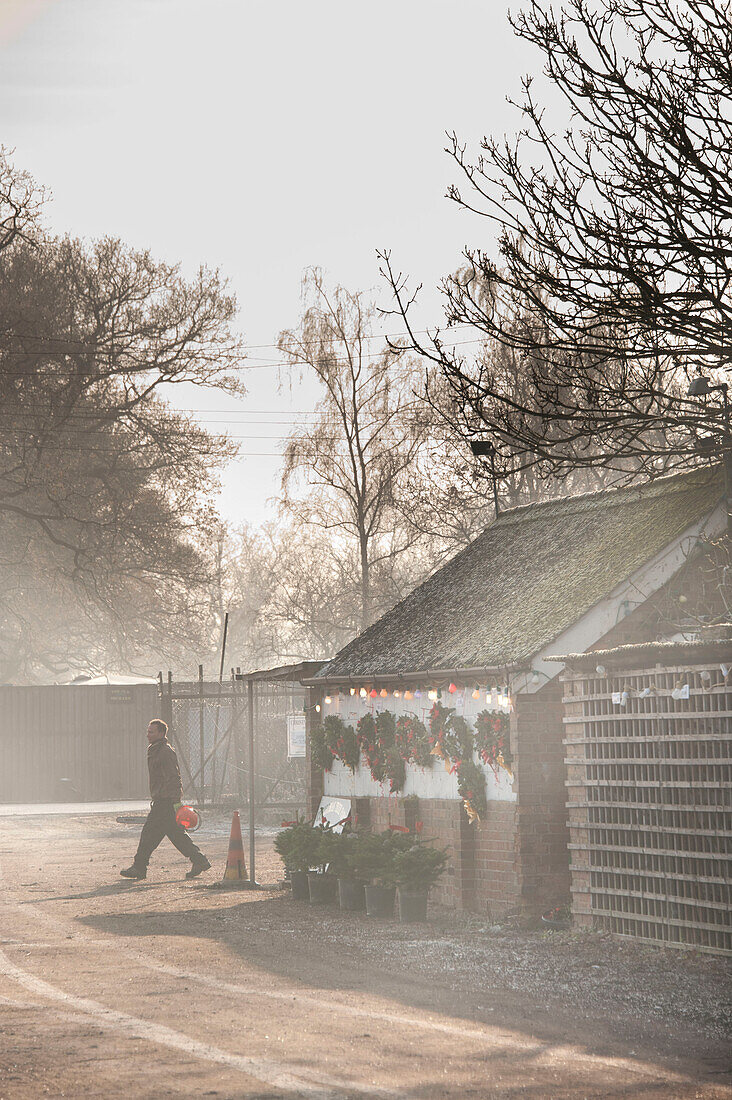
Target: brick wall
x=497 y=888
x=481 y=872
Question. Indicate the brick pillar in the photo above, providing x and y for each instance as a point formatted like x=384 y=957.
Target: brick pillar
x=543 y=860
x=313 y=695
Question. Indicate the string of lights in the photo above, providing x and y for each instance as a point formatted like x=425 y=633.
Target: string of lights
x=497 y=695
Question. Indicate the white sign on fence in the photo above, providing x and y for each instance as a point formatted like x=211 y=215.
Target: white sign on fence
x=295 y=735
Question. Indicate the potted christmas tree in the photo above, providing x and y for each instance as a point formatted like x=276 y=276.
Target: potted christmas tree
x=297 y=847
x=353 y=867
x=379 y=852
x=323 y=880
x=415 y=871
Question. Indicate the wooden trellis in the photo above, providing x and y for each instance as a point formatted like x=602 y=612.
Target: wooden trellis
x=649 y=782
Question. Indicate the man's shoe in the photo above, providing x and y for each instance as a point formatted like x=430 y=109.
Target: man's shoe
x=134 y=872
x=198 y=867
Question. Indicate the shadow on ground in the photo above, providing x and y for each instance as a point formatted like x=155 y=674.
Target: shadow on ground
x=322 y=948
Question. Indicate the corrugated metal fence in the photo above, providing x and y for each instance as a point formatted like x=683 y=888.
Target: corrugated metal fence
x=649 y=759
x=75 y=742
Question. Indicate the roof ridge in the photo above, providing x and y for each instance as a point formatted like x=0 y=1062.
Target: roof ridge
x=613 y=495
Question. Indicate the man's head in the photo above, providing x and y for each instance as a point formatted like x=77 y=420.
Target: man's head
x=157 y=730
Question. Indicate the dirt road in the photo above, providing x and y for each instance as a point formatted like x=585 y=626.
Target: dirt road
x=168 y=988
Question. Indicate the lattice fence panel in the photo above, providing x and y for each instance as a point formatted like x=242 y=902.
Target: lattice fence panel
x=649 y=782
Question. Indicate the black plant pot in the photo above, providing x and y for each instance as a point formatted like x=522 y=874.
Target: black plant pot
x=351 y=894
x=380 y=901
x=412 y=907
x=322 y=888
x=299 y=883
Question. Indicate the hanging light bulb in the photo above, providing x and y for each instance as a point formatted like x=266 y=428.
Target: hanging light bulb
x=363 y=693
x=489 y=697
x=352 y=691
x=317 y=708
x=476 y=692
x=327 y=699
x=452 y=688
x=418 y=692
x=373 y=693
x=408 y=694
x=397 y=693
x=432 y=695
x=383 y=693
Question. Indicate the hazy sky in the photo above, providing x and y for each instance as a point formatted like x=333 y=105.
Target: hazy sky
x=260 y=136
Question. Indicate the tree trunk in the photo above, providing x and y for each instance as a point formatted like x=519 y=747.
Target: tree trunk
x=366 y=611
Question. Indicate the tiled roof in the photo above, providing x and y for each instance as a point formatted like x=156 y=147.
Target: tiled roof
x=531 y=574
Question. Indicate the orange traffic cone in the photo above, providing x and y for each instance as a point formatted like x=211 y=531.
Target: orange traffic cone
x=236 y=868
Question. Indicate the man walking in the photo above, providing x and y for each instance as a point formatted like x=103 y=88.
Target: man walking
x=166 y=791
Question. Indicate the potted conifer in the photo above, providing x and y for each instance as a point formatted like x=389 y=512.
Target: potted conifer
x=352 y=867
x=379 y=852
x=416 y=870
x=297 y=847
x=323 y=880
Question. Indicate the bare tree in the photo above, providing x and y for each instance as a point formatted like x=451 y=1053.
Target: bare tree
x=104 y=490
x=614 y=266
x=368 y=430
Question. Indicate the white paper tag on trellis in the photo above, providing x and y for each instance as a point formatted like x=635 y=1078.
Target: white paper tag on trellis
x=617 y=697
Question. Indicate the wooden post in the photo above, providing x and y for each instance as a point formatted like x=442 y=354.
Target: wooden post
x=218 y=712
x=201 y=742
x=250 y=718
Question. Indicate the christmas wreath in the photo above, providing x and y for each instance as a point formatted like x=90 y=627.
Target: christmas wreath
x=412 y=741
x=449 y=735
x=371 y=749
x=492 y=740
x=334 y=740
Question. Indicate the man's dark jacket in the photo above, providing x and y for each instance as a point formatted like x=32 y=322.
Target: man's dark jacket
x=162 y=763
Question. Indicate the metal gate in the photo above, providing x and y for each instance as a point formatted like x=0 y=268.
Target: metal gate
x=209 y=723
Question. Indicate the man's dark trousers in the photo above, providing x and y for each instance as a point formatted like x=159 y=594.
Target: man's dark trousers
x=161 y=823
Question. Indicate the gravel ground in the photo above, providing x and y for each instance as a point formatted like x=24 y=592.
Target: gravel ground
x=600 y=974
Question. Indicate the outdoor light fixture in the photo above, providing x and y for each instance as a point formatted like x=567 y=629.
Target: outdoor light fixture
x=452 y=688
x=483 y=448
x=317 y=708
x=432 y=694
x=397 y=694
x=476 y=692
x=327 y=699
x=383 y=693
x=699 y=387
x=352 y=691
x=408 y=694
x=373 y=693
x=363 y=693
